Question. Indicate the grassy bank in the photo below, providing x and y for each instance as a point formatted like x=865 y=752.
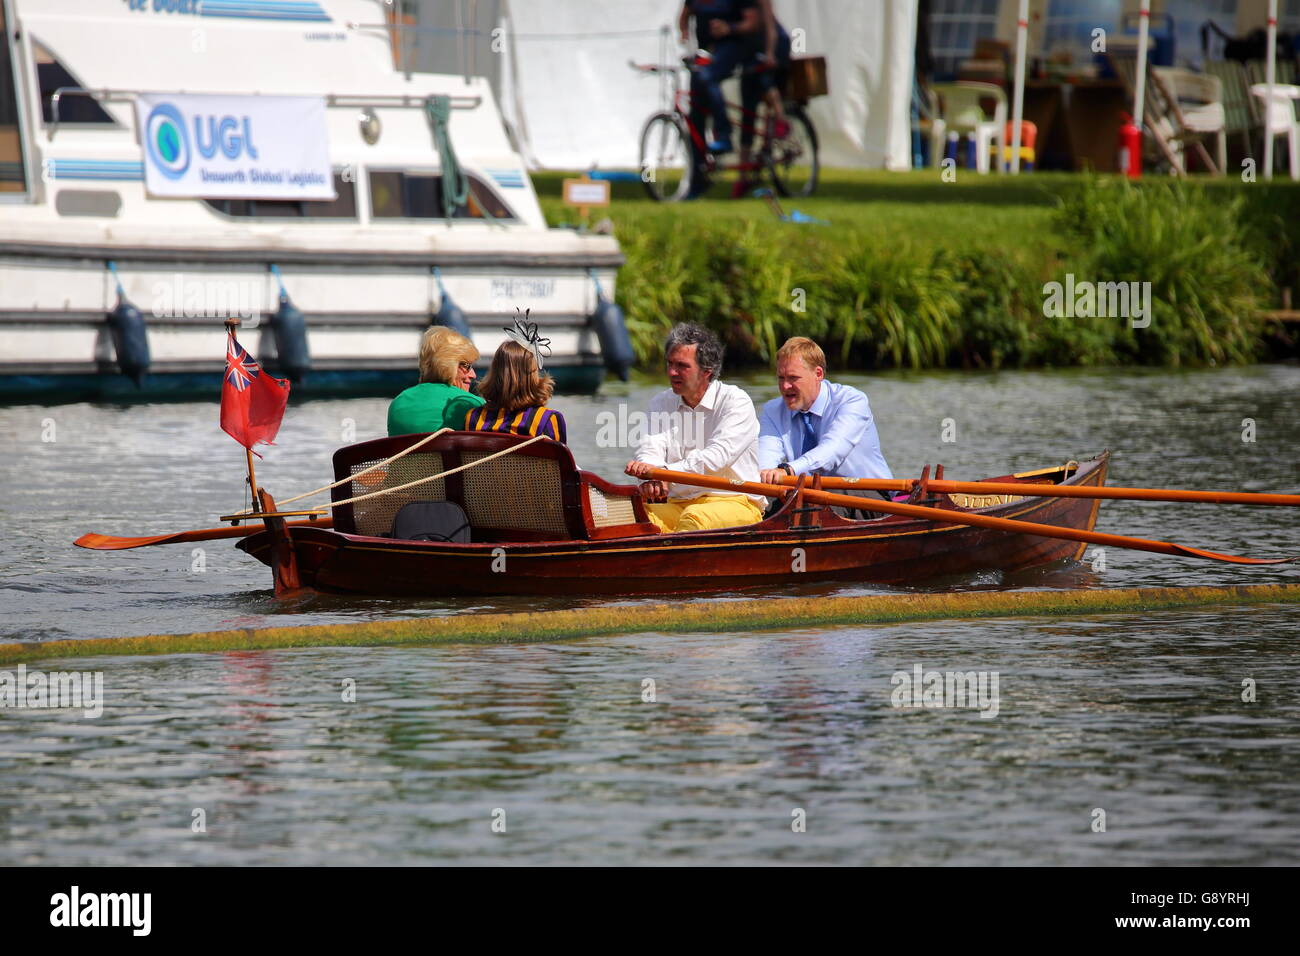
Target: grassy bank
x=912 y=271
x=755 y=614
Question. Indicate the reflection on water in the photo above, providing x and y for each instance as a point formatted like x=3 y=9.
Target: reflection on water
x=1141 y=717
x=657 y=748
x=143 y=469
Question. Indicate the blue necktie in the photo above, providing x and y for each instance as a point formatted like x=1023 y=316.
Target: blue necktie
x=809 y=434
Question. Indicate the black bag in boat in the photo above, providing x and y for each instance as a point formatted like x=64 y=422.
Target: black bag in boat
x=431 y=521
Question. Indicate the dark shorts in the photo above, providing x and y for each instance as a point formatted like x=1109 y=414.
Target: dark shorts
x=773 y=79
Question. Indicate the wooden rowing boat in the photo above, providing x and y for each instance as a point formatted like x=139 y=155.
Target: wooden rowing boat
x=542 y=526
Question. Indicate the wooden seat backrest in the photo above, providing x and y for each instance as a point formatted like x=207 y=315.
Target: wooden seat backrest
x=535 y=493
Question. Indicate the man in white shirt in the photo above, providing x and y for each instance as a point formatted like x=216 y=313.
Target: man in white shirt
x=703 y=426
x=816 y=427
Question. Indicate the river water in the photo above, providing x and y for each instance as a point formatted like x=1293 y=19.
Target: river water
x=778 y=747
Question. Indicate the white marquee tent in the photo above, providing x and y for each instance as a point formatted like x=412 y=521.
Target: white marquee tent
x=561 y=71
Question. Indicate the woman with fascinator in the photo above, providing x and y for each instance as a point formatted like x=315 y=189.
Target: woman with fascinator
x=516 y=390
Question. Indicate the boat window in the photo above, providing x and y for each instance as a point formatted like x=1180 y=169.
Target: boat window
x=101 y=203
x=73 y=107
x=344 y=207
x=400 y=195
x=12 y=179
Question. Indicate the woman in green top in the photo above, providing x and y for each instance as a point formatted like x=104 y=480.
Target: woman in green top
x=442 y=399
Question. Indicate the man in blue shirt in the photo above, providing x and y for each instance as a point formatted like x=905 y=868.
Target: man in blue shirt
x=816 y=427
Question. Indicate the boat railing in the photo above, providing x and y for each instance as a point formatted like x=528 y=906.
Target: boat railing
x=380 y=100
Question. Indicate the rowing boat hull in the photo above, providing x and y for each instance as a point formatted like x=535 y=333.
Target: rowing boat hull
x=892 y=550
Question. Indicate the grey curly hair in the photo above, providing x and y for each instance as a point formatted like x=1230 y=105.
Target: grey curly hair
x=708 y=350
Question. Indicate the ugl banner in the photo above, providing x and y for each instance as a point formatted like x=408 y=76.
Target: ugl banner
x=235 y=147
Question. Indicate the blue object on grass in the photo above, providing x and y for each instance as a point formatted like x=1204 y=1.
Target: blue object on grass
x=795 y=215
x=614 y=175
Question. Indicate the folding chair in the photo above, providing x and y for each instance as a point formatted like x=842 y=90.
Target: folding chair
x=1238 y=108
x=1200 y=99
x=1162 y=117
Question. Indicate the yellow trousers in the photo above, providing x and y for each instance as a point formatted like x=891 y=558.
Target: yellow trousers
x=706 y=511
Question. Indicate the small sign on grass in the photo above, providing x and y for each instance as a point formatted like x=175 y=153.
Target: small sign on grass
x=585 y=193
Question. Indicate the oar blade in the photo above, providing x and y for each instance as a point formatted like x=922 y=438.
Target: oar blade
x=1230 y=558
x=108 y=542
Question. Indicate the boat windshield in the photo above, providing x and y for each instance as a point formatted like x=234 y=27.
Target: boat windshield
x=52 y=76
x=401 y=195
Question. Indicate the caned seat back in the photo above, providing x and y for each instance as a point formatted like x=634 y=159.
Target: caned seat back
x=375 y=517
x=535 y=493
x=516 y=493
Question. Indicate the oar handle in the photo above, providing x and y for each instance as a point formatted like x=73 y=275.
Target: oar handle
x=1039 y=490
x=943 y=516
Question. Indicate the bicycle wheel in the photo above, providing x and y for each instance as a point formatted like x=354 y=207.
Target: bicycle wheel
x=792 y=161
x=666 y=161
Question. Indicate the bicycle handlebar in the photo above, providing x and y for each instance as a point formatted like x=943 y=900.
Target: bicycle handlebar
x=652 y=67
x=689 y=62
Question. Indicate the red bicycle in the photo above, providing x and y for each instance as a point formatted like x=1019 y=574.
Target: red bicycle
x=668 y=160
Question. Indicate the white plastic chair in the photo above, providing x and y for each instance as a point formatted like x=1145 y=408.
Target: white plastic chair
x=961 y=113
x=1280 y=119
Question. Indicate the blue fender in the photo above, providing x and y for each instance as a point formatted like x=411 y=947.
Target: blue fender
x=130 y=336
x=611 y=329
x=289 y=327
x=449 y=313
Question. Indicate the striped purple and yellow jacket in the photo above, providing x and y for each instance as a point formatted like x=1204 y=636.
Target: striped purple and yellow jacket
x=528 y=421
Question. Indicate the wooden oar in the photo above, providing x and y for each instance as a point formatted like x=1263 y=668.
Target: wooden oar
x=1035 y=490
x=956 y=517
x=108 y=542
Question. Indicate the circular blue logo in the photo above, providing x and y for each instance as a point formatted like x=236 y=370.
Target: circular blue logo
x=167 y=141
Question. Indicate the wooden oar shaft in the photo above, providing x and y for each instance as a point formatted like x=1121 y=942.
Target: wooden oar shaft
x=108 y=542
x=955 y=517
x=1036 y=490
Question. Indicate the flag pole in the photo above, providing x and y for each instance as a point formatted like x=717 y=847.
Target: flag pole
x=252 y=480
x=231 y=325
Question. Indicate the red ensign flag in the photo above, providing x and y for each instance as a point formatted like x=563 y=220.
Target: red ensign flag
x=252 y=402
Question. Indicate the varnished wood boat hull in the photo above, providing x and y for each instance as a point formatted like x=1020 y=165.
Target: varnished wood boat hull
x=889 y=551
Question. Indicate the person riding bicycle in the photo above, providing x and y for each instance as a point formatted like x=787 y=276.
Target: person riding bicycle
x=764 y=77
x=732 y=32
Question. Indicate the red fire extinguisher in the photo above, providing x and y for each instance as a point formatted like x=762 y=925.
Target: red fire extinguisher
x=1130 y=149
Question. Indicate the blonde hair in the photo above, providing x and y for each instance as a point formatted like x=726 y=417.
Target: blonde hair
x=441 y=352
x=802 y=348
x=513 y=381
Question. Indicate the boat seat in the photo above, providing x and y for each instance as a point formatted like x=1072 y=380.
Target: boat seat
x=431 y=521
x=534 y=494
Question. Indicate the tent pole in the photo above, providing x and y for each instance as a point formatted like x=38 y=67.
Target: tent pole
x=1018 y=103
x=1140 y=85
x=1270 y=77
